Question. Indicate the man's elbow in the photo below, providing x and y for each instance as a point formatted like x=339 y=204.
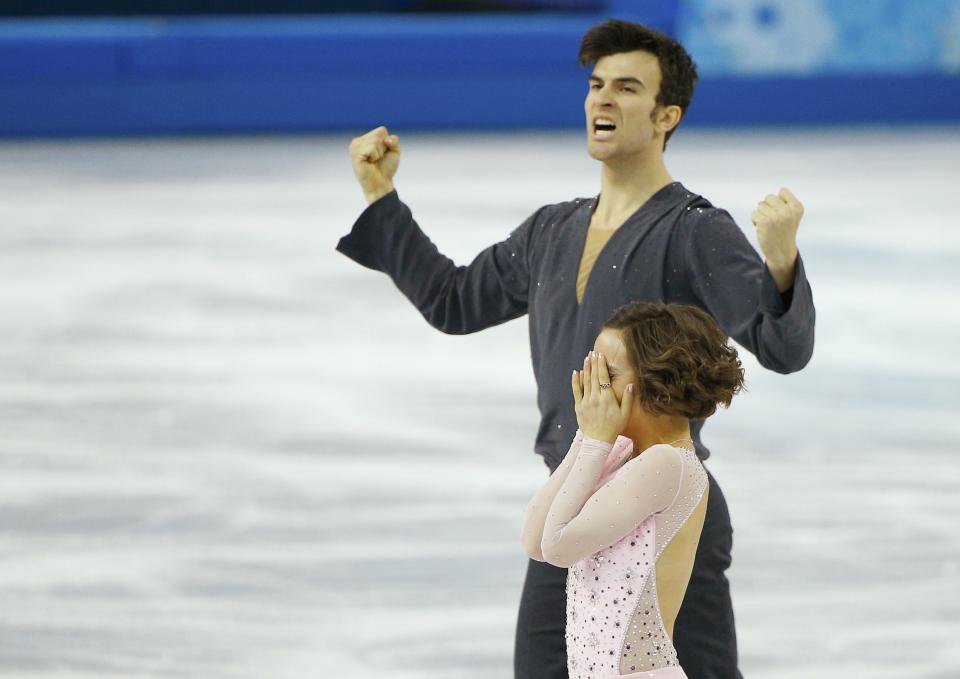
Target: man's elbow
x=784 y=368
x=794 y=362
x=446 y=322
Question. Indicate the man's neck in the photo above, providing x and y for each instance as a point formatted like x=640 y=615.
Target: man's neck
x=625 y=185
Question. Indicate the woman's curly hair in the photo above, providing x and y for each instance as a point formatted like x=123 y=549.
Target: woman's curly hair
x=683 y=363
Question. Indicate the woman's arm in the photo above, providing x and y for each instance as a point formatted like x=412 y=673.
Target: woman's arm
x=539 y=505
x=581 y=522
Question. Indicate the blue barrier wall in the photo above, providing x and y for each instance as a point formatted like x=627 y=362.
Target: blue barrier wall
x=67 y=77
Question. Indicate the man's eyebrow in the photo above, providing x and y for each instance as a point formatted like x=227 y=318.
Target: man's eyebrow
x=626 y=79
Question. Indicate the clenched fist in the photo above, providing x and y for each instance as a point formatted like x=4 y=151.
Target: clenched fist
x=375 y=157
x=777 y=219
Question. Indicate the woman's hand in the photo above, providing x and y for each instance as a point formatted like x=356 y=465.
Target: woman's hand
x=599 y=416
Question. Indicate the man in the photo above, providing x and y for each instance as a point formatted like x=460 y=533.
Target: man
x=569 y=265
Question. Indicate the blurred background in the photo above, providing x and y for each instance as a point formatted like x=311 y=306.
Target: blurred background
x=223 y=66
x=228 y=451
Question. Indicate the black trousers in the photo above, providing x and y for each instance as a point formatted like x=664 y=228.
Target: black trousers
x=703 y=635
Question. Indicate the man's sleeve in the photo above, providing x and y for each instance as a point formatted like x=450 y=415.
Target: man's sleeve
x=492 y=289
x=735 y=286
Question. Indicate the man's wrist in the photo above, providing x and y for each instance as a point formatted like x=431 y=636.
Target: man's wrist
x=782 y=275
x=377 y=193
x=783 y=270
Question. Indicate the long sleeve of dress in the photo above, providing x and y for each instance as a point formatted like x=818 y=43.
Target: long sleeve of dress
x=583 y=519
x=492 y=289
x=733 y=283
x=536 y=514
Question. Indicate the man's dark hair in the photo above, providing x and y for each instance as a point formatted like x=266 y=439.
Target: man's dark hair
x=678 y=72
x=681 y=357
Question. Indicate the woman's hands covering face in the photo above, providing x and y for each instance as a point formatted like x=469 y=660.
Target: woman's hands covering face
x=599 y=415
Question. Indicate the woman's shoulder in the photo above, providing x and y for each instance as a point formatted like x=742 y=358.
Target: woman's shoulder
x=658 y=450
x=658 y=458
x=666 y=454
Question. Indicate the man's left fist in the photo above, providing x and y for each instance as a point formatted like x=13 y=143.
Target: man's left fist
x=777 y=219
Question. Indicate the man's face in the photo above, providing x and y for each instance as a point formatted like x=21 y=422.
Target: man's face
x=623 y=92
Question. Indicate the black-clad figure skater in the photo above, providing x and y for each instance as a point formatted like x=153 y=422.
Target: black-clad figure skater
x=569 y=265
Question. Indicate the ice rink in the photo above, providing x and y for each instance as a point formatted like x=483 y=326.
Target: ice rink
x=226 y=450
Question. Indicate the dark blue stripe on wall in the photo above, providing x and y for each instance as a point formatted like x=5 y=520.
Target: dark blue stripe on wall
x=833 y=99
x=353 y=73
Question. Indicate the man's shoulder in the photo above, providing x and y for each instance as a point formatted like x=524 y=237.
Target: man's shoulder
x=566 y=207
x=558 y=214
x=698 y=210
x=696 y=203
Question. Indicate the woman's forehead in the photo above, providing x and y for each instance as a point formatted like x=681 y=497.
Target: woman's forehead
x=609 y=343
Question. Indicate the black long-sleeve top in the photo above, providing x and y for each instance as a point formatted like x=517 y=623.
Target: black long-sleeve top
x=677 y=247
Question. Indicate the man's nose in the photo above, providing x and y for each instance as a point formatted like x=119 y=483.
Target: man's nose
x=603 y=98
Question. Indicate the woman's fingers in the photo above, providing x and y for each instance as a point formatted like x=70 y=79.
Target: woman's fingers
x=594 y=382
x=626 y=403
x=603 y=377
x=587 y=383
x=577 y=388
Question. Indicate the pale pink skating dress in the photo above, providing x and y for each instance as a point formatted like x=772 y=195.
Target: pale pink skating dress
x=608 y=523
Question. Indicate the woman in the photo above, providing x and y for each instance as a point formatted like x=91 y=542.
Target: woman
x=624 y=510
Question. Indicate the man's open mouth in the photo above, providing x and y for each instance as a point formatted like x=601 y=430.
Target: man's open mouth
x=603 y=127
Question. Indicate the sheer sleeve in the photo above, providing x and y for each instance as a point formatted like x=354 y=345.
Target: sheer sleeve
x=582 y=521
x=532 y=532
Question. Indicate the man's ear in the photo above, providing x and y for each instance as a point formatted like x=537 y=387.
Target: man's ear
x=666 y=118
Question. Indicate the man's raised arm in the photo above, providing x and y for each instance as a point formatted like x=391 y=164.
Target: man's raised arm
x=492 y=289
x=766 y=304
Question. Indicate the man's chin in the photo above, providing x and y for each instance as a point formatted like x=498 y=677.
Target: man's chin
x=599 y=151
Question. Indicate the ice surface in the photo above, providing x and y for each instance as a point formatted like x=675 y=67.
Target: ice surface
x=228 y=451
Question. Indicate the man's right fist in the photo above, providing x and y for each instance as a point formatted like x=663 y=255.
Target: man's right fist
x=375 y=157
